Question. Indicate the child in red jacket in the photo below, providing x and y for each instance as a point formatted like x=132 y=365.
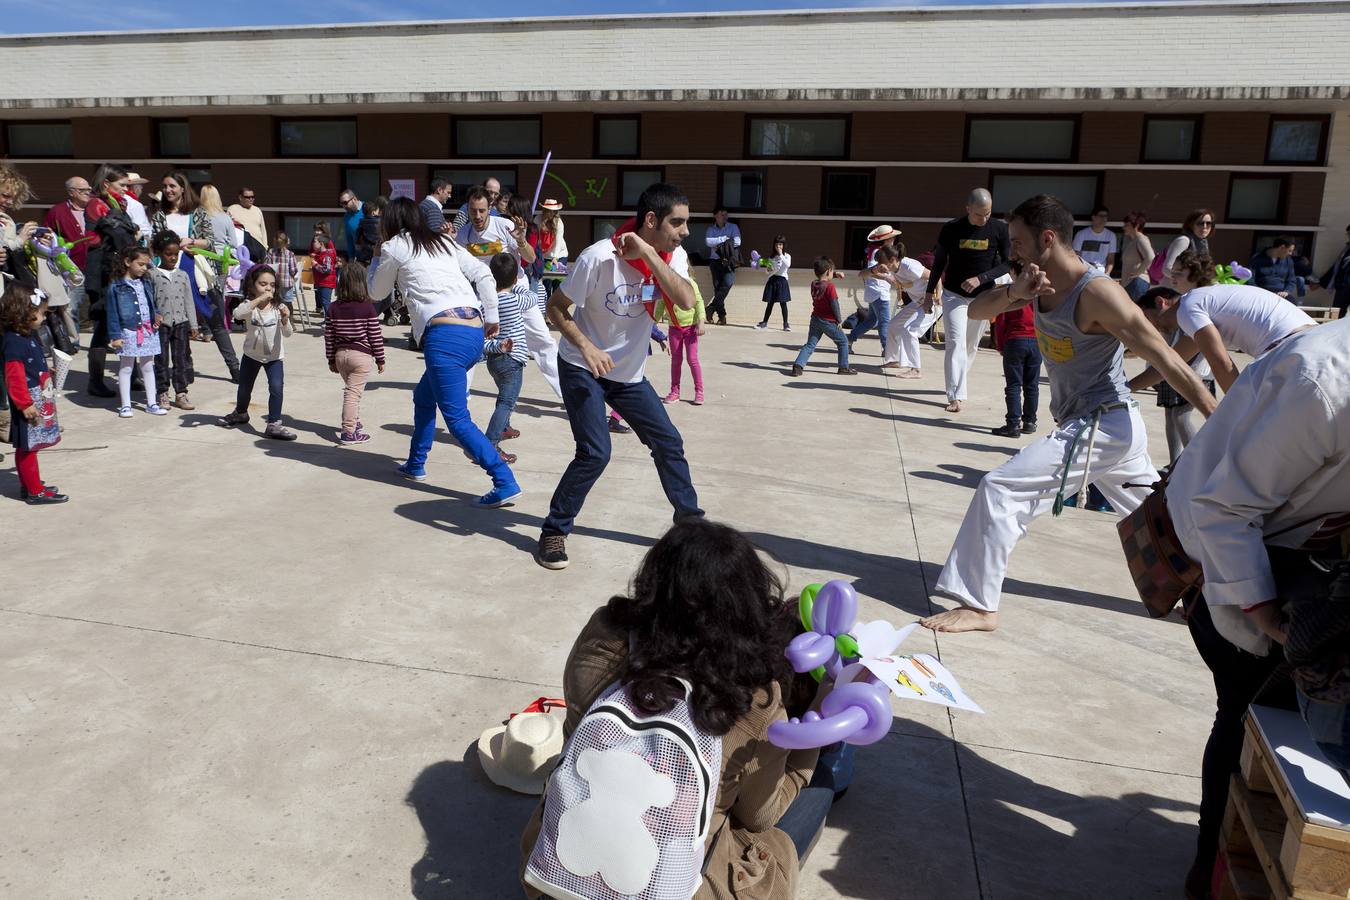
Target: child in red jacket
x=1015 y=338
x=32 y=396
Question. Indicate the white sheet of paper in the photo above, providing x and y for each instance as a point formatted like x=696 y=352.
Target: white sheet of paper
x=403 y=187
x=908 y=682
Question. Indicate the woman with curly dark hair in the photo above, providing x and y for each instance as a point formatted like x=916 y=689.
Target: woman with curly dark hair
x=706 y=609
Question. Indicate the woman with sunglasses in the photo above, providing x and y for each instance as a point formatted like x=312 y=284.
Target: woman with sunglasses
x=1195 y=234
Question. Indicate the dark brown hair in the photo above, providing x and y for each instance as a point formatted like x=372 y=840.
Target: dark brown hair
x=351 y=286
x=188 y=202
x=16 y=309
x=1045 y=213
x=823 y=265
x=1135 y=220
x=124 y=259
x=1198 y=267
x=1196 y=215
x=251 y=281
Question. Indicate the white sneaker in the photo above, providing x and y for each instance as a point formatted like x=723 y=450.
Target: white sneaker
x=155 y=409
x=124 y=412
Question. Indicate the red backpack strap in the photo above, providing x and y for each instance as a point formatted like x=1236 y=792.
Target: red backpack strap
x=543 y=705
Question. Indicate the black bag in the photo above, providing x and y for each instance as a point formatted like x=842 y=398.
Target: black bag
x=728 y=254
x=60 y=337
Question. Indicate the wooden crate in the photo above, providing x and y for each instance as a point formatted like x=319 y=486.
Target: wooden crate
x=1267 y=828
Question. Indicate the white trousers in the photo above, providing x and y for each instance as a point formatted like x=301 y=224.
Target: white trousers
x=542 y=345
x=1024 y=487
x=902 y=335
x=961 y=340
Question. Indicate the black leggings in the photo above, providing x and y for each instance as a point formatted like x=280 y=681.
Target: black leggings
x=768 y=310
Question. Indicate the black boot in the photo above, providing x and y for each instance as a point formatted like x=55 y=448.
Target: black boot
x=98 y=387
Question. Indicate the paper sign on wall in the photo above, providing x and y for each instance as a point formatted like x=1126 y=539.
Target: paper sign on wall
x=403 y=187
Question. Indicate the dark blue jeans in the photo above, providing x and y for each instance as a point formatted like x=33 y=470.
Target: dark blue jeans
x=508 y=372
x=585 y=397
x=1022 y=380
x=723 y=277
x=276 y=382
x=819 y=328
x=449 y=351
x=324 y=296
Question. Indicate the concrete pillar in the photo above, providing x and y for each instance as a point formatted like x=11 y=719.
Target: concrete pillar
x=1336 y=200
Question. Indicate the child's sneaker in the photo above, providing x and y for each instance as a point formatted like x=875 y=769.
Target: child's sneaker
x=411 y=473
x=617 y=426
x=155 y=409
x=508 y=458
x=848 y=371
x=761 y=326
x=278 y=432
x=162 y=399
x=353 y=437
x=1010 y=431
x=672 y=397
x=1028 y=427
x=509 y=433
x=124 y=412
x=552 y=551
x=787 y=327
x=233 y=419
x=498 y=496
x=796 y=370
x=698 y=398
x=182 y=401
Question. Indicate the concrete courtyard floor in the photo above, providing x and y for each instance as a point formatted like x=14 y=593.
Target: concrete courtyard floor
x=237 y=668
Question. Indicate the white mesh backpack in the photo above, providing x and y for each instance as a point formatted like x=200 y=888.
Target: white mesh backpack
x=627 y=810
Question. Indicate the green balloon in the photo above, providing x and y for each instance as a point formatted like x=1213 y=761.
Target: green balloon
x=847 y=646
x=818 y=674
x=808 y=600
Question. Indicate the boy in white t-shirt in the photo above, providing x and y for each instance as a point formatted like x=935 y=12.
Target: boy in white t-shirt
x=604 y=310
x=1096 y=244
x=1218 y=317
x=912 y=319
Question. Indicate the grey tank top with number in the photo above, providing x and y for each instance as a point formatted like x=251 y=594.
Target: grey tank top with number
x=1086 y=370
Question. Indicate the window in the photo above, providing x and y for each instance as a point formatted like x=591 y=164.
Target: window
x=633 y=182
x=300 y=229
x=799 y=138
x=1255 y=198
x=364 y=181
x=741 y=189
x=847 y=192
x=497 y=137
x=1171 y=139
x=173 y=138
x=855 y=248
x=603 y=229
x=1078 y=192
x=316 y=137
x=40 y=139
x=1015 y=137
x=198 y=177
x=461 y=180
x=1300 y=140
x=616 y=136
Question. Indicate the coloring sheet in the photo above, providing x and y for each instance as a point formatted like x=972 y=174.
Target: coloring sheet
x=920 y=677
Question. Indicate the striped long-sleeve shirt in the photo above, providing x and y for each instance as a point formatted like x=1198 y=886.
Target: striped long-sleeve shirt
x=353 y=326
x=509 y=305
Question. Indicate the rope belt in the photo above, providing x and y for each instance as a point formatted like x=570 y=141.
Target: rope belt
x=1095 y=420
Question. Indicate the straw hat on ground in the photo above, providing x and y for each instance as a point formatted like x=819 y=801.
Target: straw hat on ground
x=521 y=754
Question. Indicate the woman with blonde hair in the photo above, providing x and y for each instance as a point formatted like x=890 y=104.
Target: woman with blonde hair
x=222 y=223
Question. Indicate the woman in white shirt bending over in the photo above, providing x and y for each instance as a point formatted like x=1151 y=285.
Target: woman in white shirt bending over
x=776 y=289
x=452 y=300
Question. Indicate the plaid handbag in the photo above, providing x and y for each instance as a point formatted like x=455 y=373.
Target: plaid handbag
x=1162 y=572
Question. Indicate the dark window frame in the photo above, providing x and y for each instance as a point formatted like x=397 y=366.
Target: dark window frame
x=1281 y=207
x=1075 y=118
x=595 y=135
x=618 y=177
x=1197 y=120
x=9 y=144
x=846 y=118
x=1325 y=122
x=344 y=182
x=1098 y=174
x=827 y=171
x=279 y=121
x=721 y=200
x=456 y=152
x=158 y=140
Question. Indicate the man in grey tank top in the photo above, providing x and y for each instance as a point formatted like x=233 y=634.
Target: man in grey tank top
x=1082 y=320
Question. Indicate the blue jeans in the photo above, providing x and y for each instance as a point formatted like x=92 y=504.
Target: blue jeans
x=449 y=351
x=1022 y=380
x=821 y=327
x=585 y=397
x=878 y=314
x=508 y=372
x=276 y=382
x=324 y=295
x=1137 y=288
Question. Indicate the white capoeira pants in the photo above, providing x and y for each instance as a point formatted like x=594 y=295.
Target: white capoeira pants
x=542 y=345
x=961 y=338
x=1024 y=487
x=902 y=335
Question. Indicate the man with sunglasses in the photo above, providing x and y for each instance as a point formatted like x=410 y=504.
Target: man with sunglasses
x=68 y=221
x=246 y=213
x=352 y=214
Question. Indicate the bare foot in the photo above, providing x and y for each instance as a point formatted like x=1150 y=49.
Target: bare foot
x=954 y=406
x=963 y=618
x=910 y=373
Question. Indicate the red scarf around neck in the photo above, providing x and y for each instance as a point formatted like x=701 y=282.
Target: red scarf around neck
x=646 y=271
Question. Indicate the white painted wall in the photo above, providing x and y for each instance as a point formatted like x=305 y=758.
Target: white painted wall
x=1336 y=195
x=1225 y=51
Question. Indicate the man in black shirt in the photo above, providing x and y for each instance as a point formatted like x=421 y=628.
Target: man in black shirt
x=971 y=254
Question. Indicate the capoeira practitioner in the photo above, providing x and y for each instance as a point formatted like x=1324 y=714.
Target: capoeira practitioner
x=915 y=316
x=1082 y=319
x=971 y=254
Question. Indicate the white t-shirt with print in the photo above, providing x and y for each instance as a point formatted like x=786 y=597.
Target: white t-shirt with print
x=1094 y=247
x=496 y=238
x=1249 y=318
x=609 y=308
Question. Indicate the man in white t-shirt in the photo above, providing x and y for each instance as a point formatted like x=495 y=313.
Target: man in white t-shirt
x=1218 y=317
x=1096 y=244
x=604 y=309
x=484 y=236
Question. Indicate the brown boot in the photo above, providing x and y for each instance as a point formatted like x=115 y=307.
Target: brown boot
x=182 y=402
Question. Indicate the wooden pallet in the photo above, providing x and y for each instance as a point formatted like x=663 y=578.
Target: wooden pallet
x=1270 y=847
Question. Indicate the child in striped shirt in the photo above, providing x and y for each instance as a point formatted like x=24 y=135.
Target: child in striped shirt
x=507 y=351
x=353 y=342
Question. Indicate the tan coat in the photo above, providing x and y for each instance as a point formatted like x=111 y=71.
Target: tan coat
x=749 y=859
